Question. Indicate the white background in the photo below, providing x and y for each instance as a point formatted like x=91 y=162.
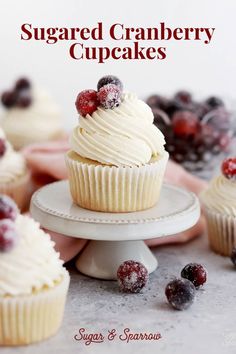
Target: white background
x=209 y=69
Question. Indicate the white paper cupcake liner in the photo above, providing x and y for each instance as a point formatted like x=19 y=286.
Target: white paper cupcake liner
x=18 y=190
x=221 y=232
x=32 y=318
x=115 y=189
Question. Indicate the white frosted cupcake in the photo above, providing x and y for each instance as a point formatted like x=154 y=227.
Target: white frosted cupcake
x=117 y=158
x=30 y=115
x=33 y=281
x=14 y=174
x=219 y=202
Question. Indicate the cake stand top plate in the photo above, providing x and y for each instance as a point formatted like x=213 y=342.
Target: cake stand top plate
x=176 y=211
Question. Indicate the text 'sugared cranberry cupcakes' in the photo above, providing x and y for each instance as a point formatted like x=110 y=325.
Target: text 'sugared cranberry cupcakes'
x=219 y=202
x=30 y=115
x=117 y=158
x=33 y=281
x=14 y=175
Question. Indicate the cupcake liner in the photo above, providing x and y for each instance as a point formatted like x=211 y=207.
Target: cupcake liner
x=32 y=318
x=18 y=190
x=221 y=232
x=115 y=189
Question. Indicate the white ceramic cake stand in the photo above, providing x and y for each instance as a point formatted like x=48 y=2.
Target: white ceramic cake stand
x=116 y=236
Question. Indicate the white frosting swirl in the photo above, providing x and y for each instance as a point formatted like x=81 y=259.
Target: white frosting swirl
x=221 y=196
x=124 y=135
x=12 y=164
x=40 y=121
x=32 y=264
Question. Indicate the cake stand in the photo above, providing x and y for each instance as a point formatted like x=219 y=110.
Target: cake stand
x=116 y=237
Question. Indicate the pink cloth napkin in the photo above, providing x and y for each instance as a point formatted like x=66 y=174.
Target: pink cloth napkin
x=47 y=163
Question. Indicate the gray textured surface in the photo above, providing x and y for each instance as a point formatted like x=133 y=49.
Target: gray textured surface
x=208 y=326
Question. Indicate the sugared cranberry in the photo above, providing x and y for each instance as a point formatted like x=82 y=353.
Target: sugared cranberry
x=109 y=79
x=228 y=168
x=87 y=102
x=183 y=97
x=8 y=208
x=185 y=124
x=180 y=293
x=9 y=98
x=172 y=107
x=214 y=102
x=24 y=99
x=8 y=235
x=132 y=276
x=219 y=118
x=233 y=256
x=157 y=101
x=195 y=273
x=22 y=84
x=2 y=147
x=109 y=96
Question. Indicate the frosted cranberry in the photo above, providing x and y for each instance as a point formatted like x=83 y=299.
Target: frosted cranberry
x=157 y=101
x=228 y=168
x=24 y=99
x=9 y=99
x=195 y=273
x=109 y=79
x=2 y=147
x=172 y=107
x=214 y=102
x=180 y=293
x=87 y=102
x=22 y=84
x=185 y=123
x=109 y=96
x=8 y=208
x=132 y=276
x=184 y=97
x=8 y=235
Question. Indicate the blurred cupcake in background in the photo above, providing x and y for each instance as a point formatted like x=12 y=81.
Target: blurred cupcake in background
x=30 y=115
x=14 y=174
x=219 y=202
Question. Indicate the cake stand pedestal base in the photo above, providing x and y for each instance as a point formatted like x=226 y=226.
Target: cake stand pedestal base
x=101 y=259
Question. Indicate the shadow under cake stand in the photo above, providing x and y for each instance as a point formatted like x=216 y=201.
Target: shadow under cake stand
x=116 y=237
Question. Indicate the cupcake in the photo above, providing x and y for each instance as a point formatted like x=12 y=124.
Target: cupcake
x=33 y=284
x=30 y=115
x=219 y=202
x=14 y=175
x=117 y=158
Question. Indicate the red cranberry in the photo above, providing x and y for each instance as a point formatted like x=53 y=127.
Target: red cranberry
x=214 y=102
x=180 y=293
x=22 y=84
x=228 y=168
x=185 y=124
x=9 y=98
x=24 y=99
x=87 y=102
x=2 y=147
x=8 y=208
x=132 y=276
x=184 y=97
x=157 y=101
x=195 y=273
x=8 y=235
x=109 y=96
x=109 y=79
